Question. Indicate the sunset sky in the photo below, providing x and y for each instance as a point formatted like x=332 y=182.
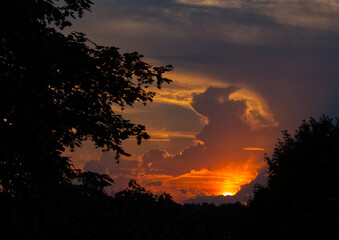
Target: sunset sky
x=243 y=71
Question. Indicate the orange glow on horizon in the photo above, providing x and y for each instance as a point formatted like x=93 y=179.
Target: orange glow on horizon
x=204 y=182
x=228 y=194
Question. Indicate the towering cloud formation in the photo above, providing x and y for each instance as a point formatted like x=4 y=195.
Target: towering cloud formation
x=223 y=158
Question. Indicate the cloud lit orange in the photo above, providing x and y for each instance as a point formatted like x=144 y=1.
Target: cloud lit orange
x=199 y=183
x=253 y=149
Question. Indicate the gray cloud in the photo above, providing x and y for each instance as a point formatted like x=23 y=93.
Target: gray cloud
x=159 y=162
x=121 y=173
x=107 y=164
x=166 y=116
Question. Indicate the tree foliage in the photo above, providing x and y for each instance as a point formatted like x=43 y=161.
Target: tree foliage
x=58 y=90
x=302 y=193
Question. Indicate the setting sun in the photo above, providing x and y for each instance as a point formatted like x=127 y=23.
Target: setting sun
x=228 y=194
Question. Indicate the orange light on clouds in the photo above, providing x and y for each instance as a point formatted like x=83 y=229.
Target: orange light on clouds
x=202 y=182
x=256 y=114
x=253 y=149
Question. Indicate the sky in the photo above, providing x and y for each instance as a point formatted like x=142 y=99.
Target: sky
x=243 y=71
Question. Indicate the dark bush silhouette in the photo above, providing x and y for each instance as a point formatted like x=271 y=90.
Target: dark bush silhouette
x=301 y=197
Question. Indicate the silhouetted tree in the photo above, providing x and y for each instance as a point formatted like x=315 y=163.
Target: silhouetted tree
x=57 y=91
x=143 y=215
x=301 y=196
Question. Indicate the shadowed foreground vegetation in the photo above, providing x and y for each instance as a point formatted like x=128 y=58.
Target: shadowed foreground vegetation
x=75 y=213
x=58 y=90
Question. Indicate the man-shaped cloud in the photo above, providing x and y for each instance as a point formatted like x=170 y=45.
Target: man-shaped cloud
x=230 y=150
x=226 y=154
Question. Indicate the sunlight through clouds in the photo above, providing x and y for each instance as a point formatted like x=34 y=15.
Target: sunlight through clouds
x=195 y=183
x=257 y=113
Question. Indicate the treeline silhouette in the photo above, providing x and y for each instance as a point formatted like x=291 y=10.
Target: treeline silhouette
x=57 y=91
x=134 y=213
